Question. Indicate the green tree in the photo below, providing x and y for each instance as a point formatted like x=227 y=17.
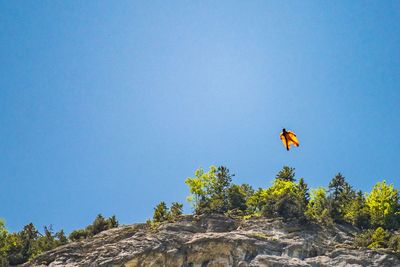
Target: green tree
x=341 y=194
x=78 y=235
x=209 y=190
x=283 y=199
x=175 y=210
x=4 y=246
x=336 y=185
x=287 y=174
x=99 y=224
x=50 y=240
x=14 y=251
x=237 y=197
x=256 y=202
x=303 y=196
x=219 y=189
x=160 y=212
x=357 y=213
x=47 y=241
x=318 y=206
x=28 y=236
x=200 y=186
x=61 y=237
x=112 y=222
x=383 y=205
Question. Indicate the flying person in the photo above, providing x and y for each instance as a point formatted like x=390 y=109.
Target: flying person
x=288 y=138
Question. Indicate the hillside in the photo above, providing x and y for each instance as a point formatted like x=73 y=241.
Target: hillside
x=217 y=240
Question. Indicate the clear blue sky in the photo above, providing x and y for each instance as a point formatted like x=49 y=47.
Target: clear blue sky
x=107 y=107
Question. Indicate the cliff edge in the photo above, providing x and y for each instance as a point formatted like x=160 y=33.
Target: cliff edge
x=217 y=240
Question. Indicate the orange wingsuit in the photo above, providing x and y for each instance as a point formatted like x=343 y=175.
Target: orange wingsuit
x=288 y=138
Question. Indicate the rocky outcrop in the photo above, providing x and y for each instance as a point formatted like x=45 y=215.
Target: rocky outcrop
x=215 y=240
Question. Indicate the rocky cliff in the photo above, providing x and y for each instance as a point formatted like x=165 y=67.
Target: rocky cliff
x=214 y=240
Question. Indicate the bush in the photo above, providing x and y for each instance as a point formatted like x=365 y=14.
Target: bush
x=77 y=235
x=175 y=211
x=99 y=225
x=378 y=238
x=318 y=207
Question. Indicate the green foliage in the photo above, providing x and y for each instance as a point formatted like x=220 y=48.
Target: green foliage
x=99 y=224
x=257 y=201
x=78 y=235
x=318 y=207
x=302 y=195
x=209 y=190
x=341 y=194
x=62 y=238
x=364 y=239
x=15 y=249
x=4 y=246
x=284 y=198
x=357 y=213
x=160 y=212
x=337 y=185
x=280 y=199
x=50 y=240
x=383 y=205
x=237 y=196
x=219 y=191
x=176 y=210
x=287 y=174
x=200 y=186
x=28 y=237
x=113 y=222
x=378 y=238
x=18 y=248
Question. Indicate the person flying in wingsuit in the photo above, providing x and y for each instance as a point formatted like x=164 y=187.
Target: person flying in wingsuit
x=288 y=138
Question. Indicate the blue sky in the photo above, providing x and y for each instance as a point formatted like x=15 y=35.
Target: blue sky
x=107 y=107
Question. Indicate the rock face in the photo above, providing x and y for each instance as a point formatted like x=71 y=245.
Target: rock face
x=214 y=240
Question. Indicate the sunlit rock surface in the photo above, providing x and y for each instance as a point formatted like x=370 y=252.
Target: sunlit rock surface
x=215 y=240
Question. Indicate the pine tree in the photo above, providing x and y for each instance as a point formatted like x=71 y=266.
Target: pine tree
x=160 y=212
x=341 y=194
x=175 y=210
x=236 y=198
x=303 y=196
x=112 y=222
x=61 y=237
x=287 y=174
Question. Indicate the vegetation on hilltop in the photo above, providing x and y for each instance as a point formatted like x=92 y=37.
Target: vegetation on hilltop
x=17 y=248
x=375 y=213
